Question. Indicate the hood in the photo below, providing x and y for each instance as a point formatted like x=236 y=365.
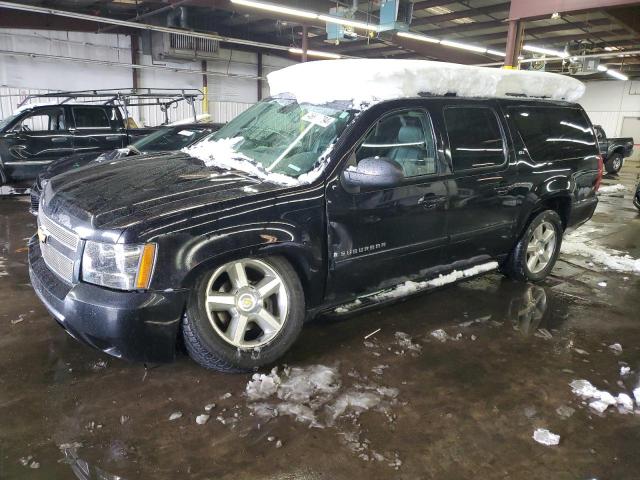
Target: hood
x=150 y=189
x=78 y=160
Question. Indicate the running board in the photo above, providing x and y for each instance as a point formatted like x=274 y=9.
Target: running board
x=410 y=287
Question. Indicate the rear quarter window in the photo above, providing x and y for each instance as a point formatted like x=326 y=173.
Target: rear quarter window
x=554 y=133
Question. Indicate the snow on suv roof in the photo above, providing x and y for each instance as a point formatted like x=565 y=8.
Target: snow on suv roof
x=371 y=80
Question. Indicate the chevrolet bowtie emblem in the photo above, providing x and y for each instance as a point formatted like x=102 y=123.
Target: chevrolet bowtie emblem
x=42 y=235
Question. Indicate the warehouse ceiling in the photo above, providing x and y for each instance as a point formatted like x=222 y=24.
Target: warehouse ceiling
x=478 y=22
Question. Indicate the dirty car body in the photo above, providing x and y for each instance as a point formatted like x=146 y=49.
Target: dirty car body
x=413 y=189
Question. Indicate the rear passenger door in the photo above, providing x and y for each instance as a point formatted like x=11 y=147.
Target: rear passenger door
x=380 y=236
x=97 y=129
x=483 y=209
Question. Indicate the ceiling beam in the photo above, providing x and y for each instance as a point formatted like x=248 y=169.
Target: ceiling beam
x=470 y=12
x=431 y=3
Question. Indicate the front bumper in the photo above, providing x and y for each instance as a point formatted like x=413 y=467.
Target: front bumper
x=136 y=326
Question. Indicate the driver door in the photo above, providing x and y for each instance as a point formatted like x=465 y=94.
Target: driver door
x=380 y=237
x=39 y=138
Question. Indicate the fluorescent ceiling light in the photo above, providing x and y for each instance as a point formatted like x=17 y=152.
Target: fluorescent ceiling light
x=602 y=68
x=271 y=7
x=463 y=46
x=348 y=23
x=415 y=36
x=496 y=52
x=618 y=75
x=545 y=51
x=315 y=53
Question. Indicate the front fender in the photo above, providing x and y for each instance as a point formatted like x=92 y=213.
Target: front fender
x=189 y=257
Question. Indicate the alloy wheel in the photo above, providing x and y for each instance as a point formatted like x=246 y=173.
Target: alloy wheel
x=247 y=303
x=541 y=246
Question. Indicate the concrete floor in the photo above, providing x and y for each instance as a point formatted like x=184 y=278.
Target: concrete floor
x=466 y=408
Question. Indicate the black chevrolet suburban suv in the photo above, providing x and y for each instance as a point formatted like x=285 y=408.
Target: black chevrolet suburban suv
x=295 y=209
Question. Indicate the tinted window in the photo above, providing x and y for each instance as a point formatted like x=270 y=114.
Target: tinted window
x=475 y=137
x=554 y=133
x=170 y=139
x=405 y=137
x=43 y=120
x=88 y=117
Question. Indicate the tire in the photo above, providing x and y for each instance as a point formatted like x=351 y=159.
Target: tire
x=614 y=163
x=208 y=326
x=517 y=266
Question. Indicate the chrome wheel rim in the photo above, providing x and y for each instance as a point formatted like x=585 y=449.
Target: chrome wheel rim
x=247 y=303
x=541 y=246
x=617 y=163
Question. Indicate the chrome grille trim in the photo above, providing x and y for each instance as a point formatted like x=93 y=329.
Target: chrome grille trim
x=63 y=235
x=57 y=262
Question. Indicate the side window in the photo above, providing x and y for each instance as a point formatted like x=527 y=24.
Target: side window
x=89 y=117
x=405 y=137
x=554 y=133
x=44 y=120
x=475 y=137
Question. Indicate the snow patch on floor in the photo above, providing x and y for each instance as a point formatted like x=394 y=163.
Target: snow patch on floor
x=612 y=188
x=576 y=243
x=545 y=437
x=601 y=400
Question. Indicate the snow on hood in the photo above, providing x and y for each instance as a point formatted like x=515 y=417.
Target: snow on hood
x=371 y=80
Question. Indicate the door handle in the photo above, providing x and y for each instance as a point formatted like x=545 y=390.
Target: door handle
x=113 y=137
x=502 y=189
x=59 y=139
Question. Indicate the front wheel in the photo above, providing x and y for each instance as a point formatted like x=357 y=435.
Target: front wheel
x=614 y=163
x=536 y=253
x=244 y=314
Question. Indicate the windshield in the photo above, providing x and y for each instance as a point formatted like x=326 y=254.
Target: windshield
x=173 y=138
x=283 y=136
x=4 y=123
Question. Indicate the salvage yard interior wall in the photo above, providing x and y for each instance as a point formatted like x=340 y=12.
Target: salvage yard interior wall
x=232 y=79
x=608 y=103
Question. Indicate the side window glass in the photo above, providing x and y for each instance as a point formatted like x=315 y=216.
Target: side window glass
x=404 y=137
x=88 y=117
x=554 y=133
x=475 y=137
x=43 y=121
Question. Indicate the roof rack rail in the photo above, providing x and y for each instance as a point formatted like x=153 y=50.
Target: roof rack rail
x=127 y=97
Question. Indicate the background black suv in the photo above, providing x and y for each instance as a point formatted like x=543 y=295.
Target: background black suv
x=309 y=207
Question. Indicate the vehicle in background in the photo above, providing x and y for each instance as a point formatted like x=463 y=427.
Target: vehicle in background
x=37 y=134
x=636 y=197
x=613 y=150
x=165 y=139
x=233 y=249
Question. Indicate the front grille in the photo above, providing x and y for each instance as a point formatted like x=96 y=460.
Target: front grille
x=64 y=236
x=57 y=262
x=59 y=248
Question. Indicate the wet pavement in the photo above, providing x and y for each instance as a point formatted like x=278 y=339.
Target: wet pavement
x=466 y=401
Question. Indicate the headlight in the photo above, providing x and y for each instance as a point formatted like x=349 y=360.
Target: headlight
x=124 y=267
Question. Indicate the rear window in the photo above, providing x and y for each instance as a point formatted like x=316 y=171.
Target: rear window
x=475 y=138
x=554 y=133
x=89 y=117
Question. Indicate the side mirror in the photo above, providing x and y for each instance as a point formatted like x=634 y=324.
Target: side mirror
x=373 y=172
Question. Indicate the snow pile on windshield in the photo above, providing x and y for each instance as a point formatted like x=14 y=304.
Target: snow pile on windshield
x=370 y=80
x=222 y=154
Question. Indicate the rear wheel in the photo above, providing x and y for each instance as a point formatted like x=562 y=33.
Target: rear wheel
x=244 y=314
x=536 y=253
x=614 y=163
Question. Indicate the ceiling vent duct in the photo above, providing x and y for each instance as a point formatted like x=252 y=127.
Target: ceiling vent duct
x=182 y=48
x=178 y=18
